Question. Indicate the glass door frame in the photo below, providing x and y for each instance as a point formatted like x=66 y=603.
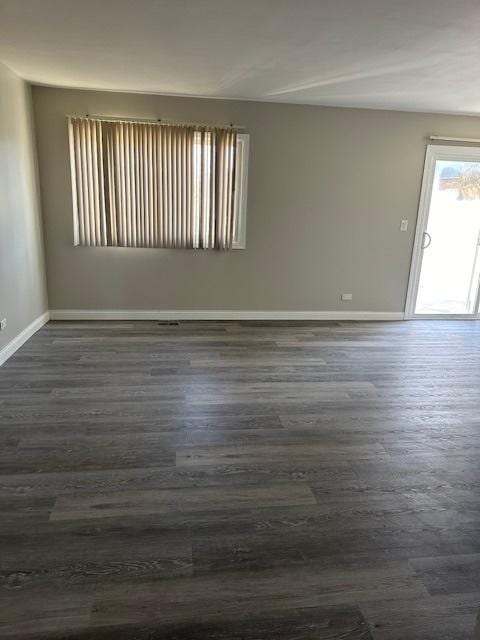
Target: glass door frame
x=434 y=152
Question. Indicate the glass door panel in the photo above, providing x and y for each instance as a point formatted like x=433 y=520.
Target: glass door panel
x=450 y=265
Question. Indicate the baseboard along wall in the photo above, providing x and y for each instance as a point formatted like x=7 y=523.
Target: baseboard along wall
x=146 y=314
x=20 y=339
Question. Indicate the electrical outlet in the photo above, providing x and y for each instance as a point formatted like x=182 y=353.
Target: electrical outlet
x=3 y=324
x=404 y=225
x=347 y=296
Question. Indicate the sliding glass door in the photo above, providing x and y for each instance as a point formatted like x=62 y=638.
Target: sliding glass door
x=445 y=272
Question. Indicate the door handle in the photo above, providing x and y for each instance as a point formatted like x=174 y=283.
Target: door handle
x=428 y=237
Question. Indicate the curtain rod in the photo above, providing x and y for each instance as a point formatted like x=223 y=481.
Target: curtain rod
x=448 y=139
x=157 y=121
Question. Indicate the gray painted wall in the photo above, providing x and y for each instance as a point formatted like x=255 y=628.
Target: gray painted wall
x=327 y=190
x=23 y=293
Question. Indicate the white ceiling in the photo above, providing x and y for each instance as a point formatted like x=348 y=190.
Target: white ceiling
x=394 y=54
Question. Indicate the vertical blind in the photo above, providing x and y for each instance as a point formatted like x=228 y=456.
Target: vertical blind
x=137 y=184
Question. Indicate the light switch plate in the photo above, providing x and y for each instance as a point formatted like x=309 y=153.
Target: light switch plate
x=3 y=324
x=404 y=224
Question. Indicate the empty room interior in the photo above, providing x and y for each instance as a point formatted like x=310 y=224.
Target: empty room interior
x=239 y=319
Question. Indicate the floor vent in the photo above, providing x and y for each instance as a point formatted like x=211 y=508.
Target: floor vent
x=172 y=323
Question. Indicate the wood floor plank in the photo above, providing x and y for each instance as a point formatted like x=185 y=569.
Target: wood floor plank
x=313 y=623
x=272 y=453
x=449 y=574
x=44 y=613
x=132 y=503
x=65 y=558
x=238 y=594
x=447 y=617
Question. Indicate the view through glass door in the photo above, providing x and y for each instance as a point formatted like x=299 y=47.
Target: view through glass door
x=448 y=235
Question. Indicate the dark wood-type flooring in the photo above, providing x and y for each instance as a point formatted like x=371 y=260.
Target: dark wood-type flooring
x=241 y=481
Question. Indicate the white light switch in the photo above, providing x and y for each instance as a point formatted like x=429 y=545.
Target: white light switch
x=404 y=224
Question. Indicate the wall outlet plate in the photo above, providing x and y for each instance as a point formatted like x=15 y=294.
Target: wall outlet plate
x=3 y=324
x=347 y=296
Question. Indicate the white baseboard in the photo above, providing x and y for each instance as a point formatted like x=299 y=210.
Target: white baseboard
x=84 y=314
x=10 y=348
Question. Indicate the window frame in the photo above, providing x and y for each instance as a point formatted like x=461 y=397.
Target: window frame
x=241 y=191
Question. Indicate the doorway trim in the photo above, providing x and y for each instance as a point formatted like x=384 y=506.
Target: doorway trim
x=433 y=153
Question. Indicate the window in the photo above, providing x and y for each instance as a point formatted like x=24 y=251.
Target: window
x=137 y=184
